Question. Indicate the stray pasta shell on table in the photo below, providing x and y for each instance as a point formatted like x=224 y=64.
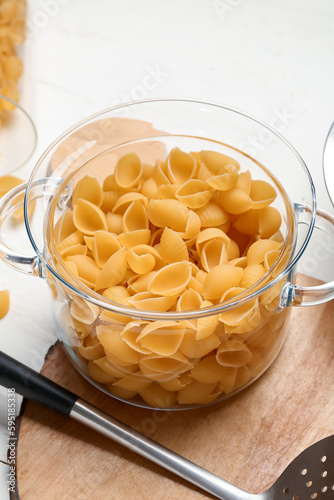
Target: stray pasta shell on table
x=113 y=270
x=170 y=213
x=225 y=178
x=4 y=303
x=89 y=189
x=181 y=166
x=196 y=393
x=171 y=279
x=162 y=337
x=172 y=247
x=124 y=201
x=134 y=238
x=220 y=279
x=157 y=396
x=194 y=193
x=152 y=302
x=233 y=353
x=128 y=170
x=257 y=251
x=269 y=221
x=235 y=201
x=212 y=215
x=215 y=160
x=88 y=217
x=135 y=217
x=164 y=368
x=262 y=194
x=105 y=244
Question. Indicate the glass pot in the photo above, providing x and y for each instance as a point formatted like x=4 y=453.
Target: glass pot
x=182 y=357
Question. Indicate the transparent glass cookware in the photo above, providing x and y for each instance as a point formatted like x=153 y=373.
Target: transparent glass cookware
x=180 y=357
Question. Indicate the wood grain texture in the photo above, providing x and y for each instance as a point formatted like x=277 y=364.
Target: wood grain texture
x=248 y=440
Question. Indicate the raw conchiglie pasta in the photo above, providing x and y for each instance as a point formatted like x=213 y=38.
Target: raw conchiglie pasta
x=235 y=201
x=220 y=279
x=194 y=284
x=75 y=238
x=196 y=348
x=116 y=293
x=194 y=193
x=98 y=374
x=210 y=234
x=135 y=217
x=242 y=377
x=113 y=270
x=133 y=382
x=128 y=171
x=133 y=238
x=171 y=213
x=168 y=191
x=8 y=182
x=88 y=217
x=204 y=173
x=162 y=337
x=64 y=226
x=172 y=247
x=176 y=383
x=111 y=339
x=251 y=275
x=152 y=302
x=227 y=382
x=105 y=244
x=86 y=267
x=138 y=261
x=195 y=393
x=215 y=161
x=212 y=215
x=225 y=178
x=114 y=223
x=269 y=221
x=160 y=173
x=150 y=189
x=163 y=368
x=189 y=300
x=213 y=253
x=244 y=181
x=109 y=199
x=239 y=262
x=262 y=194
x=257 y=251
x=90 y=348
x=157 y=396
x=237 y=315
x=140 y=283
x=171 y=279
x=181 y=166
x=208 y=371
x=4 y=303
x=89 y=189
x=192 y=227
x=125 y=201
x=130 y=333
x=206 y=325
x=270 y=259
x=233 y=353
x=74 y=250
x=248 y=223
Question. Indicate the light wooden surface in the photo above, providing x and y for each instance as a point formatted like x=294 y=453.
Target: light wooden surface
x=248 y=440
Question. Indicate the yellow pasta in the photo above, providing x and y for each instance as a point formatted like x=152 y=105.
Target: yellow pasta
x=220 y=279
x=180 y=166
x=89 y=189
x=135 y=217
x=104 y=245
x=172 y=247
x=113 y=270
x=162 y=337
x=171 y=279
x=128 y=171
x=233 y=353
x=88 y=217
x=4 y=303
x=194 y=193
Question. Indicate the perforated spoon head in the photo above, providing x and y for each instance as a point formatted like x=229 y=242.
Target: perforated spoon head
x=309 y=476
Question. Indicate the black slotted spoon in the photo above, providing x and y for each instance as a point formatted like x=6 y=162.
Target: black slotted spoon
x=309 y=476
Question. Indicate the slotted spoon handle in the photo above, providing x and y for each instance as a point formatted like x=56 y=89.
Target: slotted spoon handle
x=40 y=389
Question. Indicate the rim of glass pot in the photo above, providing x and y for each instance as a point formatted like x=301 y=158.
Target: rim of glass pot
x=249 y=294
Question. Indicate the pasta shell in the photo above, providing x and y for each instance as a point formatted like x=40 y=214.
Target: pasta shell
x=104 y=246
x=140 y=263
x=237 y=315
x=215 y=161
x=137 y=237
x=235 y=201
x=195 y=285
x=171 y=279
x=135 y=217
x=171 y=213
x=163 y=368
x=269 y=221
x=84 y=311
x=150 y=189
x=194 y=193
x=206 y=325
x=133 y=382
x=124 y=201
x=189 y=300
x=88 y=218
x=181 y=166
x=90 y=348
x=212 y=215
x=89 y=242
x=227 y=382
x=113 y=369
x=110 y=184
x=114 y=223
x=196 y=348
x=172 y=247
x=151 y=302
x=248 y=223
x=97 y=373
x=168 y=191
x=147 y=171
x=140 y=284
x=176 y=383
x=213 y=253
x=195 y=393
x=208 y=371
x=239 y=262
x=251 y=275
x=225 y=178
x=244 y=181
x=112 y=342
x=8 y=182
x=130 y=333
x=86 y=267
x=109 y=199
x=270 y=258
x=116 y=293
x=220 y=279
x=113 y=270
x=128 y=170
x=233 y=353
x=157 y=396
x=88 y=189
x=160 y=173
x=75 y=238
x=242 y=377
x=74 y=250
x=257 y=251
x=232 y=249
x=204 y=173
x=192 y=227
x=64 y=226
x=162 y=337
x=208 y=235
x=262 y=194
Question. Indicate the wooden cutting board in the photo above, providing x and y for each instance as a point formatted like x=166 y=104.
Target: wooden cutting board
x=248 y=440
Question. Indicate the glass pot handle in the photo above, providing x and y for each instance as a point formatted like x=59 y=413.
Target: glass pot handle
x=308 y=296
x=9 y=203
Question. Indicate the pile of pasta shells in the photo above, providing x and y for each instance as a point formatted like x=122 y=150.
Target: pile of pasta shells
x=187 y=233
x=12 y=29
